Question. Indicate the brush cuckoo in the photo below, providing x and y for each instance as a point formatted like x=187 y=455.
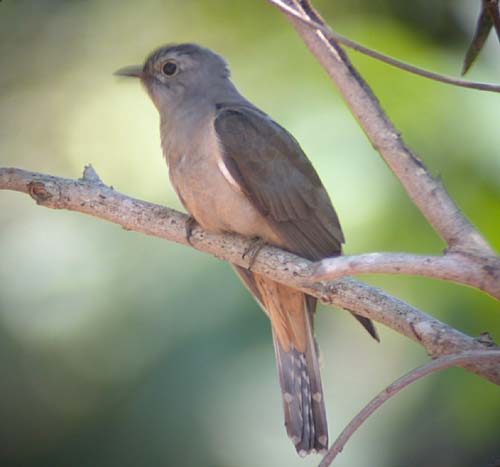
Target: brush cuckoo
x=236 y=170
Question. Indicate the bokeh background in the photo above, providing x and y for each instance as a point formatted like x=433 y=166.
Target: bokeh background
x=118 y=349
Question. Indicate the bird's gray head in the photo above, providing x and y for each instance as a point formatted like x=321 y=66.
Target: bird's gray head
x=177 y=73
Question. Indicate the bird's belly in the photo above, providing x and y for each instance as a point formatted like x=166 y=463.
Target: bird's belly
x=215 y=203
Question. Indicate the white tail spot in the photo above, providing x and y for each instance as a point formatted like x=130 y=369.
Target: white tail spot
x=317 y=396
x=323 y=440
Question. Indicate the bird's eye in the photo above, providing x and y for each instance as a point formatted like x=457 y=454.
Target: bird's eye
x=169 y=68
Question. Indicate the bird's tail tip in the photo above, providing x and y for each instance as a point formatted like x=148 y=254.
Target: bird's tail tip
x=303 y=402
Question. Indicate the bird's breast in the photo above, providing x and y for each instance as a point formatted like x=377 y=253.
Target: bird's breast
x=209 y=192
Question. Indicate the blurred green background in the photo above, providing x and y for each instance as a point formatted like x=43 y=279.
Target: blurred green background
x=118 y=349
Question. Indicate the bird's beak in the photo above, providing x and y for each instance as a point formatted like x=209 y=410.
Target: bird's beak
x=134 y=71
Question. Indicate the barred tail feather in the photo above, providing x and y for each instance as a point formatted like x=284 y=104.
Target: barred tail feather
x=303 y=403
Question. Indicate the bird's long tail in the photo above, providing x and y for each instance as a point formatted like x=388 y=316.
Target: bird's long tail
x=291 y=314
x=303 y=402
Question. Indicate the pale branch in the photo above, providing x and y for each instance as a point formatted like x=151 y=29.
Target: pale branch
x=476 y=271
x=90 y=196
x=427 y=193
x=439 y=364
x=385 y=58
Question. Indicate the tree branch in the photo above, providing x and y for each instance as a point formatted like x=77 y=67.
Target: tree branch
x=90 y=196
x=427 y=193
x=481 y=272
x=384 y=58
x=433 y=367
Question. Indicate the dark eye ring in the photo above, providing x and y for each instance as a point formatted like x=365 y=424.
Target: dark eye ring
x=169 y=68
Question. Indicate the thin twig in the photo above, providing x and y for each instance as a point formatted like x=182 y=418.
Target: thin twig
x=90 y=175
x=330 y=33
x=419 y=373
x=480 y=272
x=96 y=199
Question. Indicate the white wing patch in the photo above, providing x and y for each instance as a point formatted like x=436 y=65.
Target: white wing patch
x=227 y=175
x=222 y=166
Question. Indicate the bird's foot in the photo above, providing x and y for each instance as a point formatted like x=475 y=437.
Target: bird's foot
x=252 y=251
x=189 y=226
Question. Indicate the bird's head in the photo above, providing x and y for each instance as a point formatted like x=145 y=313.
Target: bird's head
x=180 y=72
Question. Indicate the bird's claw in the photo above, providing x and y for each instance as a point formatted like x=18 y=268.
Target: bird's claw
x=189 y=226
x=253 y=250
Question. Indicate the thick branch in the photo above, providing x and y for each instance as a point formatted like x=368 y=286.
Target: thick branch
x=419 y=373
x=90 y=196
x=428 y=194
x=480 y=272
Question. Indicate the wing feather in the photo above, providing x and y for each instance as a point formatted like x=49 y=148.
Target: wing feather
x=276 y=176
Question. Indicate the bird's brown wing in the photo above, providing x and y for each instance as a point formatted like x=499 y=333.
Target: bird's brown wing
x=275 y=174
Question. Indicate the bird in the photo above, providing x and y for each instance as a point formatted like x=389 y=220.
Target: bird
x=237 y=170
